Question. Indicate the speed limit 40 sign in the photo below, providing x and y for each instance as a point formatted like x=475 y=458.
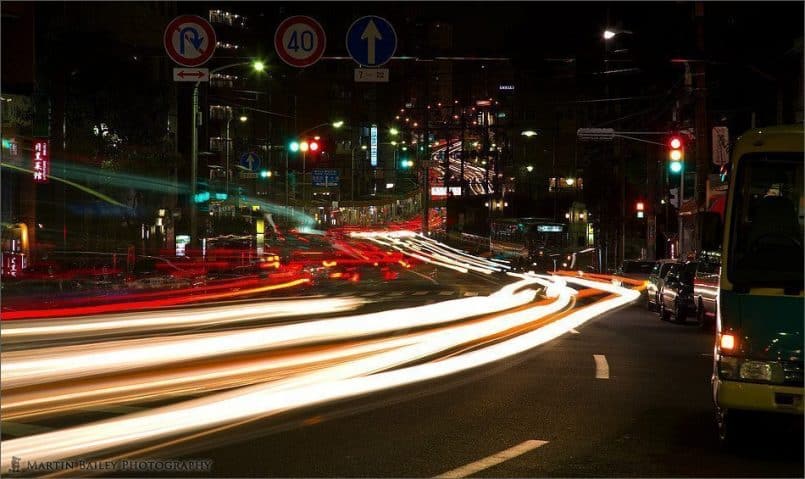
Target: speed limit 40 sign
x=300 y=41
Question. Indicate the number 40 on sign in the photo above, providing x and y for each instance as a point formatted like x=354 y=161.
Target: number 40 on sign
x=300 y=41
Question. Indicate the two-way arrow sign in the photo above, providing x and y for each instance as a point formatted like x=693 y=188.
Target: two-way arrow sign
x=191 y=74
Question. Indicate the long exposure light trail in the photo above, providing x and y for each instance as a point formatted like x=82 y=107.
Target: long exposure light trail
x=20 y=368
x=354 y=378
x=151 y=321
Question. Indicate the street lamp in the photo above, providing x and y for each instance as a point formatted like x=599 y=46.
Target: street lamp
x=393 y=131
x=529 y=133
x=529 y=168
x=244 y=118
x=338 y=124
x=258 y=66
x=610 y=33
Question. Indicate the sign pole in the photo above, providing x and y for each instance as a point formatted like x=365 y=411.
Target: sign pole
x=194 y=169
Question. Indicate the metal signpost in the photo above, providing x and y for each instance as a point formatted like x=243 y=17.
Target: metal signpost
x=190 y=41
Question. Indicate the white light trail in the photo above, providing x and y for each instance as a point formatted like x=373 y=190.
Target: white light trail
x=21 y=368
x=108 y=324
x=344 y=381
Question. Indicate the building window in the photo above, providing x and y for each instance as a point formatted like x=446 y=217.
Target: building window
x=565 y=184
x=217 y=144
x=220 y=112
x=227 y=18
x=223 y=80
x=227 y=45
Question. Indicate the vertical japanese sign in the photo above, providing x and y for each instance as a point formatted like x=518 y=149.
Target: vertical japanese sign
x=12 y=264
x=41 y=160
x=373 y=145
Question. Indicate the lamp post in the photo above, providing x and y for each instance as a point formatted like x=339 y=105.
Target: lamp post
x=196 y=120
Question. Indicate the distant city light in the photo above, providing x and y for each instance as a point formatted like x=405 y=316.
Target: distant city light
x=608 y=34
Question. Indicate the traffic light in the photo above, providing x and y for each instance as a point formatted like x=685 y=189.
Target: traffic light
x=640 y=207
x=265 y=174
x=676 y=153
x=304 y=146
x=407 y=163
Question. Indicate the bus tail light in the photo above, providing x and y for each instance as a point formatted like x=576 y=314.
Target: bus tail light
x=727 y=342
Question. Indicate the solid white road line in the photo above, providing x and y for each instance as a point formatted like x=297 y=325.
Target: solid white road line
x=470 y=293
x=446 y=293
x=573 y=331
x=493 y=460
x=601 y=366
x=420 y=293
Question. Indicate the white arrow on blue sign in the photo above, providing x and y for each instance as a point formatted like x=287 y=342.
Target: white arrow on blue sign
x=371 y=41
x=251 y=161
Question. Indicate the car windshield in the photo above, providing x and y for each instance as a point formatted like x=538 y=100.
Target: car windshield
x=638 y=267
x=767 y=230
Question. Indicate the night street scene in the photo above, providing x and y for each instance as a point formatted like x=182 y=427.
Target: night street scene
x=402 y=239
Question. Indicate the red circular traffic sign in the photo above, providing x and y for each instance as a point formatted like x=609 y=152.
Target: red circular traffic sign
x=300 y=41
x=189 y=40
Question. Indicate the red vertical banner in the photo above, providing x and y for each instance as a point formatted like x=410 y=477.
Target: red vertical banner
x=41 y=160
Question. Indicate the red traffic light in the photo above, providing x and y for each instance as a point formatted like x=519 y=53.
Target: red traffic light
x=640 y=206
x=676 y=142
x=314 y=146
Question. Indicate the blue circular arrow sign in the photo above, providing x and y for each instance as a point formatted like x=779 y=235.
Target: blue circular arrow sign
x=251 y=161
x=371 y=41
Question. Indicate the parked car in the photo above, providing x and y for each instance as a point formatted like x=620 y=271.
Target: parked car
x=656 y=280
x=676 y=296
x=705 y=290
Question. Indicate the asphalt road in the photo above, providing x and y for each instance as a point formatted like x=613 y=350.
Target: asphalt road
x=652 y=416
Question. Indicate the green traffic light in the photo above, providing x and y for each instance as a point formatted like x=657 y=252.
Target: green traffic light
x=675 y=166
x=294 y=146
x=265 y=174
x=259 y=66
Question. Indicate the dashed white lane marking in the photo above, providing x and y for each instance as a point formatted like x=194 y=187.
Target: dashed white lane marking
x=601 y=366
x=493 y=460
x=420 y=293
x=446 y=293
x=18 y=429
x=470 y=293
x=396 y=293
x=370 y=293
x=573 y=331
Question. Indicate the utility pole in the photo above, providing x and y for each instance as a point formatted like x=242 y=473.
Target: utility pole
x=700 y=123
x=426 y=157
